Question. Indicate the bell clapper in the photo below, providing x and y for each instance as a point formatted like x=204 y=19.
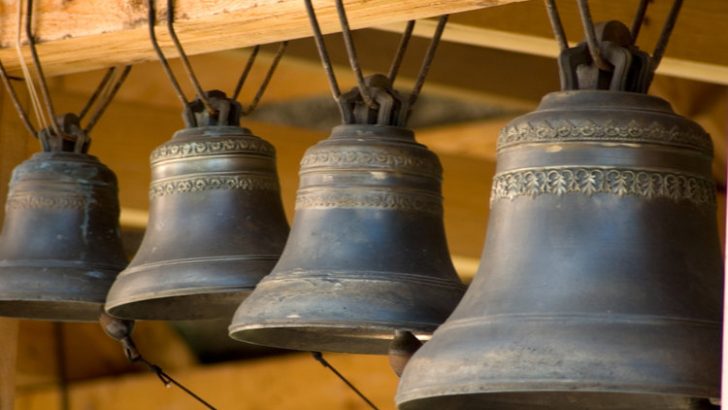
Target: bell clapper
x=121 y=330
x=403 y=346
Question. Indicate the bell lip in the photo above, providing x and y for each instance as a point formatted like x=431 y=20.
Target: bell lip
x=48 y=301
x=51 y=310
x=405 y=402
x=233 y=276
x=475 y=389
x=372 y=337
x=146 y=306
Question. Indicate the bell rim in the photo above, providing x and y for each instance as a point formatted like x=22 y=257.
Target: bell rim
x=133 y=307
x=421 y=330
x=425 y=393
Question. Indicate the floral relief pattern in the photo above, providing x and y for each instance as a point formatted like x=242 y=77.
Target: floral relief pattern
x=32 y=201
x=382 y=200
x=221 y=146
x=424 y=165
x=622 y=182
x=632 y=132
x=208 y=183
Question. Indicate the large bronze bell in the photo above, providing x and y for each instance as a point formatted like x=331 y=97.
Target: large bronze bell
x=216 y=221
x=600 y=282
x=60 y=247
x=367 y=253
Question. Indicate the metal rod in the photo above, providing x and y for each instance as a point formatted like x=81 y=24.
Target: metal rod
x=556 y=25
x=266 y=80
x=41 y=77
x=185 y=60
x=401 y=50
x=152 y=17
x=32 y=92
x=427 y=61
x=591 y=36
x=320 y=358
x=353 y=58
x=167 y=380
x=665 y=34
x=107 y=100
x=97 y=92
x=324 y=56
x=639 y=19
x=246 y=72
x=14 y=98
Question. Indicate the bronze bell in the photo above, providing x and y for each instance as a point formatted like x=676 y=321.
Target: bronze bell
x=600 y=282
x=367 y=253
x=60 y=247
x=216 y=221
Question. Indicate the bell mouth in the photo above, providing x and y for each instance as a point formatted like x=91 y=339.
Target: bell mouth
x=335 y=338
x=54 y=310
x=186 y=304
x=566 y=400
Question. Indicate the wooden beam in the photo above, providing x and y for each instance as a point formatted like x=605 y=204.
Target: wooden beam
x=86 y=35
x=288 y=382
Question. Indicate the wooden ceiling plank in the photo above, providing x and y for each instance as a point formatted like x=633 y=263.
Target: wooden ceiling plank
x=87 y=35
x=546 y=47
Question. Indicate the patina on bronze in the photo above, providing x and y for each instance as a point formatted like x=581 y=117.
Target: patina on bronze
x=216 y=221
x=600 y=282
x=60 y=246
x=367 y=253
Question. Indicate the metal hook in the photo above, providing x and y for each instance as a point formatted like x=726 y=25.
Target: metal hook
x=639 y=19
x=108 y=96
x=353 y=59
x=14 y=98
x=41 y=77
x=57 y=130
x=364 y=90
x=268 y=76
x=427 y=61
x=96 y=93
x=665 y=34
x=591 y=36
x=152 y=18
x=556 y=25
x=325 y=59
x=185 y=60
x=401 y=50
x=246 y=72
x=199 y=91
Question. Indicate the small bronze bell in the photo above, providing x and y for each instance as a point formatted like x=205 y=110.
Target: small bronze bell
x=216 y=221
x=60 y=247
x=367 y=253
x=600 y=282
